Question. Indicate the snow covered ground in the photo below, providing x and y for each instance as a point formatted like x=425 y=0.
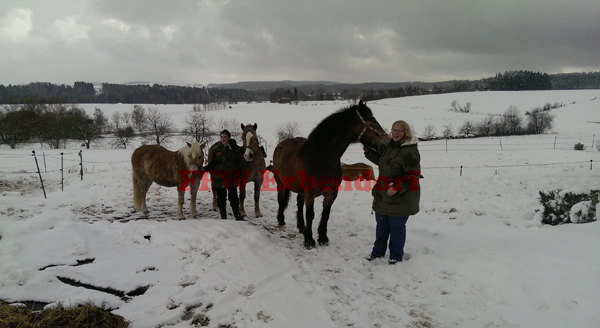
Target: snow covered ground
x=476 y=254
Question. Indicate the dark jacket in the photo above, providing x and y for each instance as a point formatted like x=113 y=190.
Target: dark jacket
x=399 y=164
x=226 y=164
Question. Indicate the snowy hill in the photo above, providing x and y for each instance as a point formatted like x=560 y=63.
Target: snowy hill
x=476 y=254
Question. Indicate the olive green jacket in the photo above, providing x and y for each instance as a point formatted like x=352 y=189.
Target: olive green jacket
x=399 y=165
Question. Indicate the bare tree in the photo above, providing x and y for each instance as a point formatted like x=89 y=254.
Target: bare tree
x=138 y=117
x=123 y=137
x=429 y=132
x=513 y=120
x=467 y=129
x=540 y=120
x=160 y=127
x=115 y=121
x=198 y=126
x=486 y=126
x=231 y=125
x=16 y=124
x=287 y=131
x=448 y=131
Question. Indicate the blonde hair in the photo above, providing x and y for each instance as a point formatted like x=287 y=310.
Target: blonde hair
x=404 y=126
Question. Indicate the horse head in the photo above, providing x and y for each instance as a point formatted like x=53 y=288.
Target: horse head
x=250 y=139
x=193 y=155
x=371 y=133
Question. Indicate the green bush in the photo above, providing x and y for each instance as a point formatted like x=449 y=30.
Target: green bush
x=579 y=146
x=568 y=207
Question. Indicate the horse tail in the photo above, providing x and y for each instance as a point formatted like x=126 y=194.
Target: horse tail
x=137 y=192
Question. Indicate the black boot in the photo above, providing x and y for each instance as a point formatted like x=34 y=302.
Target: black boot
x=237 y=214
x=223 y=212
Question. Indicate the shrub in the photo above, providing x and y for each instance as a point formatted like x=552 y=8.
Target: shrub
x=80 y=316
x=569 y=207
x=579 y=146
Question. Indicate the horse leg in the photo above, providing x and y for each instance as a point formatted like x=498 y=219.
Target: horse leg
x=327 y=203
x=180 y=205
x=147 y=183
x=283 y=197
x=300 y=213
x=194 y=192
x=214 y=192
x=242 y=197
x=309 y=200
x=257 y=186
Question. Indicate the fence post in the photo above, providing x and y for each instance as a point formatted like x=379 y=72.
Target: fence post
x=81 y=164
x=39 y=173
x=554 y=142
x=591 y=164
x=44 y=157
x=461 y=170
x=62 y=173
x=593 y=137
x=446 y=145
x=500 y=139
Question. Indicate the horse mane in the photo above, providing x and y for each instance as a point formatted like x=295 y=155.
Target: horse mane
x=325 y=129
x=186 y=150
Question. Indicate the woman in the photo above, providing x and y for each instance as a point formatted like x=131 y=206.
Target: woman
x=397 y=191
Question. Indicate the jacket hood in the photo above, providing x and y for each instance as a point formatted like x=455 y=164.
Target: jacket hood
x=413 y=141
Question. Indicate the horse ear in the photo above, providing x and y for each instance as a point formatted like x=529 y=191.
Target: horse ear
x=189 y=144
x=255 y=126
x=243 y=126
x=203 y=145
x=361 y=103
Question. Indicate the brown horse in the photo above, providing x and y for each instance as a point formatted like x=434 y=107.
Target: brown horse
x=253 y=154
x=153 y=163
x=351 y=172
x=311 y=166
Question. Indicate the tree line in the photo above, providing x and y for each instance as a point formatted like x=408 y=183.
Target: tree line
x=55 y=124
x=83 y=92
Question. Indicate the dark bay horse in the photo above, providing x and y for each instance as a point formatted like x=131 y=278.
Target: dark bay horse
x=153 y=163
x=311 y=166
x=253 y=154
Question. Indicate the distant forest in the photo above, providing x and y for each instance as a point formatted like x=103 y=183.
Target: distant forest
x=84 y=92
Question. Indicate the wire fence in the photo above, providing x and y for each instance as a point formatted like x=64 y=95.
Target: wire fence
x=72 y=162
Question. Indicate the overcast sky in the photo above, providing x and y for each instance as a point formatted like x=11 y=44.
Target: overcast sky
x=351 y=41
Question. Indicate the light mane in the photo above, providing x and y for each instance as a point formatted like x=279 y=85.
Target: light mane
x=188 y=152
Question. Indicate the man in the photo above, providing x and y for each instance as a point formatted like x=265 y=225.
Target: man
x=226 y=164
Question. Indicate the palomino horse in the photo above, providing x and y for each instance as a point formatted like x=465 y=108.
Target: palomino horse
x=253 y=154
x=256 y=166
x=351 y=172
x=153 y=163
x=311 y=166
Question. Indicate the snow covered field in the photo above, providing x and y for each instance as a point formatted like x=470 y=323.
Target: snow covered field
x=476 y=254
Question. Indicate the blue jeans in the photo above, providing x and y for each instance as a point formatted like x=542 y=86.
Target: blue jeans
x=394 y=228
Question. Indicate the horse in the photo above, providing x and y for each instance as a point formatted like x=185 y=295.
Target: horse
x=154 y=163
x=253 y=154
x=351 y=172
x=311 y=166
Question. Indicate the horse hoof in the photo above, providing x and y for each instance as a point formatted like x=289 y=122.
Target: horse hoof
x=258 y=215
x=324 y=243
x=309 y=246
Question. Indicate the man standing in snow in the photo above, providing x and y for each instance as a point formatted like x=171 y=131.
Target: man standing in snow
x=397 y=191
x=226 y=164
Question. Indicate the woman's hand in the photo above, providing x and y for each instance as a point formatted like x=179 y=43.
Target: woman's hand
x=391 y=191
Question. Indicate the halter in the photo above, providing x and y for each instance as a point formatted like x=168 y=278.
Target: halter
x=367 y=126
